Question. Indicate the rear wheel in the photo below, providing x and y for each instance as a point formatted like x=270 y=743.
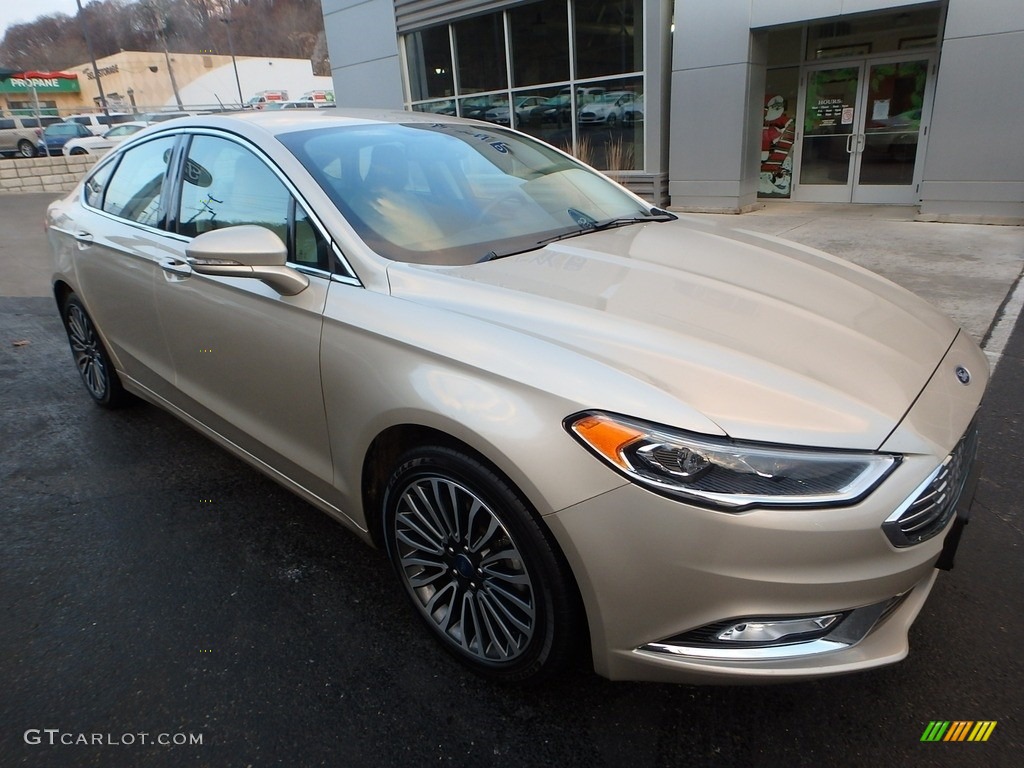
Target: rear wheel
x=26 y=148
x=78 y=151
x=91 y=357
x=479 y=570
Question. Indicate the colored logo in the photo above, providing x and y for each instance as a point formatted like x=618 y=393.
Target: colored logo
x=963 y=375
x=958 y=730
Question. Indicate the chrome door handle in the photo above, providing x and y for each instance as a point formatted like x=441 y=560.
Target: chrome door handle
x=84 y=239
x=176 y=267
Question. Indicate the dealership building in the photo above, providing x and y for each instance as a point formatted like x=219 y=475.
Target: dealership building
x=715 y=105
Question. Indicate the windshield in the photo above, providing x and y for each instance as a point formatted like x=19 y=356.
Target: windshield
x=447 y=193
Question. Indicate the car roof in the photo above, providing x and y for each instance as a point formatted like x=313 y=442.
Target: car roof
x=283 y=121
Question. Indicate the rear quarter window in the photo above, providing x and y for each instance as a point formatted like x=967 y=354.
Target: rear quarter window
x=96 y=184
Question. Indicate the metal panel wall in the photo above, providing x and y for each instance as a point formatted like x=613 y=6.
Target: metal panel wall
x=974 y=170
x=416 y=14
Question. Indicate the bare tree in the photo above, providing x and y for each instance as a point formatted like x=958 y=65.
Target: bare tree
x=292 y=28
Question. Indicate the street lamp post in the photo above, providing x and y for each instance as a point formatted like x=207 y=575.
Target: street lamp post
x=231 y=47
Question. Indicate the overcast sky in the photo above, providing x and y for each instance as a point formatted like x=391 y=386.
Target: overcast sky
x=16 y=12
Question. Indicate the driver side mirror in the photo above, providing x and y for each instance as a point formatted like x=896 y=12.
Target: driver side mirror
x=245 y=251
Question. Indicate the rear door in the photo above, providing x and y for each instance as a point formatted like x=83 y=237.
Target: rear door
x=120 y=240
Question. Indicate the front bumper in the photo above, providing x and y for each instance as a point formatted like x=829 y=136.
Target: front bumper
x=653 y=570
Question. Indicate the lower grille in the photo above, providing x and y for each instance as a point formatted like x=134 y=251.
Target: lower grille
x=930 y=509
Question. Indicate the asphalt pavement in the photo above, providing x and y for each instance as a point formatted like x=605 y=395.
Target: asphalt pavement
x=152 y=584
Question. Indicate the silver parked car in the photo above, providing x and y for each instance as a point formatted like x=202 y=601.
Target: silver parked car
x=568 y=417
x=20 y=135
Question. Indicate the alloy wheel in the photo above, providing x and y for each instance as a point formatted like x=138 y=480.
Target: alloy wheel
x=464 y=571
x=88 y=354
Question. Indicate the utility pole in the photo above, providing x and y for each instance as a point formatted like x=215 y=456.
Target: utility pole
x=170 y=71
x=161 y=21
x=231 y=47
x=92 y=58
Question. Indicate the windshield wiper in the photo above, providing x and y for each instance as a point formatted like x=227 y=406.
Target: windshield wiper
x=587 y=224
x=492 y=255
x=655 y=214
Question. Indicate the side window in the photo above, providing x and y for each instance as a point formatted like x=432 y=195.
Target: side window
x=134 y=191
x=6 y=125
x=96 y=183
x=224 y=185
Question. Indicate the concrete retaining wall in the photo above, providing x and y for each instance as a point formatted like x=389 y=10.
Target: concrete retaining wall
x=43 y=174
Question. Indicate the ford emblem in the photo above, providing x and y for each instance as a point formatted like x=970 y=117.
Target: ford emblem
x=963 y=375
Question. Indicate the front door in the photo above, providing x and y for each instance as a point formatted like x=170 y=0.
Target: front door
x=246 y=358
x=863 y=126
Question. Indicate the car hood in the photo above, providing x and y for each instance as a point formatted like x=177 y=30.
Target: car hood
x=768 y=339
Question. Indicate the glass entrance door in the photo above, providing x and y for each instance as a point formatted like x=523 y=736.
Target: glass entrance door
x=862 y=136
x=826 y=150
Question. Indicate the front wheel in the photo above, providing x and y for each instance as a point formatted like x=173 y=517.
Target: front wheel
x=478 y=568
x=91 y=357
x=78 y=151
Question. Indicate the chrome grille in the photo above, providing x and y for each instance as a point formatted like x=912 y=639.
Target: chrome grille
x=927 y=512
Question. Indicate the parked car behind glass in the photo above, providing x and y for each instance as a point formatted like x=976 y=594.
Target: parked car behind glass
x=607 y=109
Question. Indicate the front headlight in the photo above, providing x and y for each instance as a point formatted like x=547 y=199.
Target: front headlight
x=725 y=473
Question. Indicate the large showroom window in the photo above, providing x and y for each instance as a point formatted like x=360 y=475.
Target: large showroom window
x=540 y=42
x=567 y=71
x=430 y=63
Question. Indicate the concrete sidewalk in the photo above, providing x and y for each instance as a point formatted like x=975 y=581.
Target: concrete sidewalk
x=967 y=270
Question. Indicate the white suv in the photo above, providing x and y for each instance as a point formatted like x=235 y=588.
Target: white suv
x=99 y=123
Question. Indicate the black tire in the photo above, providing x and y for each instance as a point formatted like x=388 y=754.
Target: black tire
x=612 y=120
x=78 y=151
x=26 y=148
x=91 y=358
x=479 y=570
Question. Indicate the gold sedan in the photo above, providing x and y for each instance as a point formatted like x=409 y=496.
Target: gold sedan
x=574 y=421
